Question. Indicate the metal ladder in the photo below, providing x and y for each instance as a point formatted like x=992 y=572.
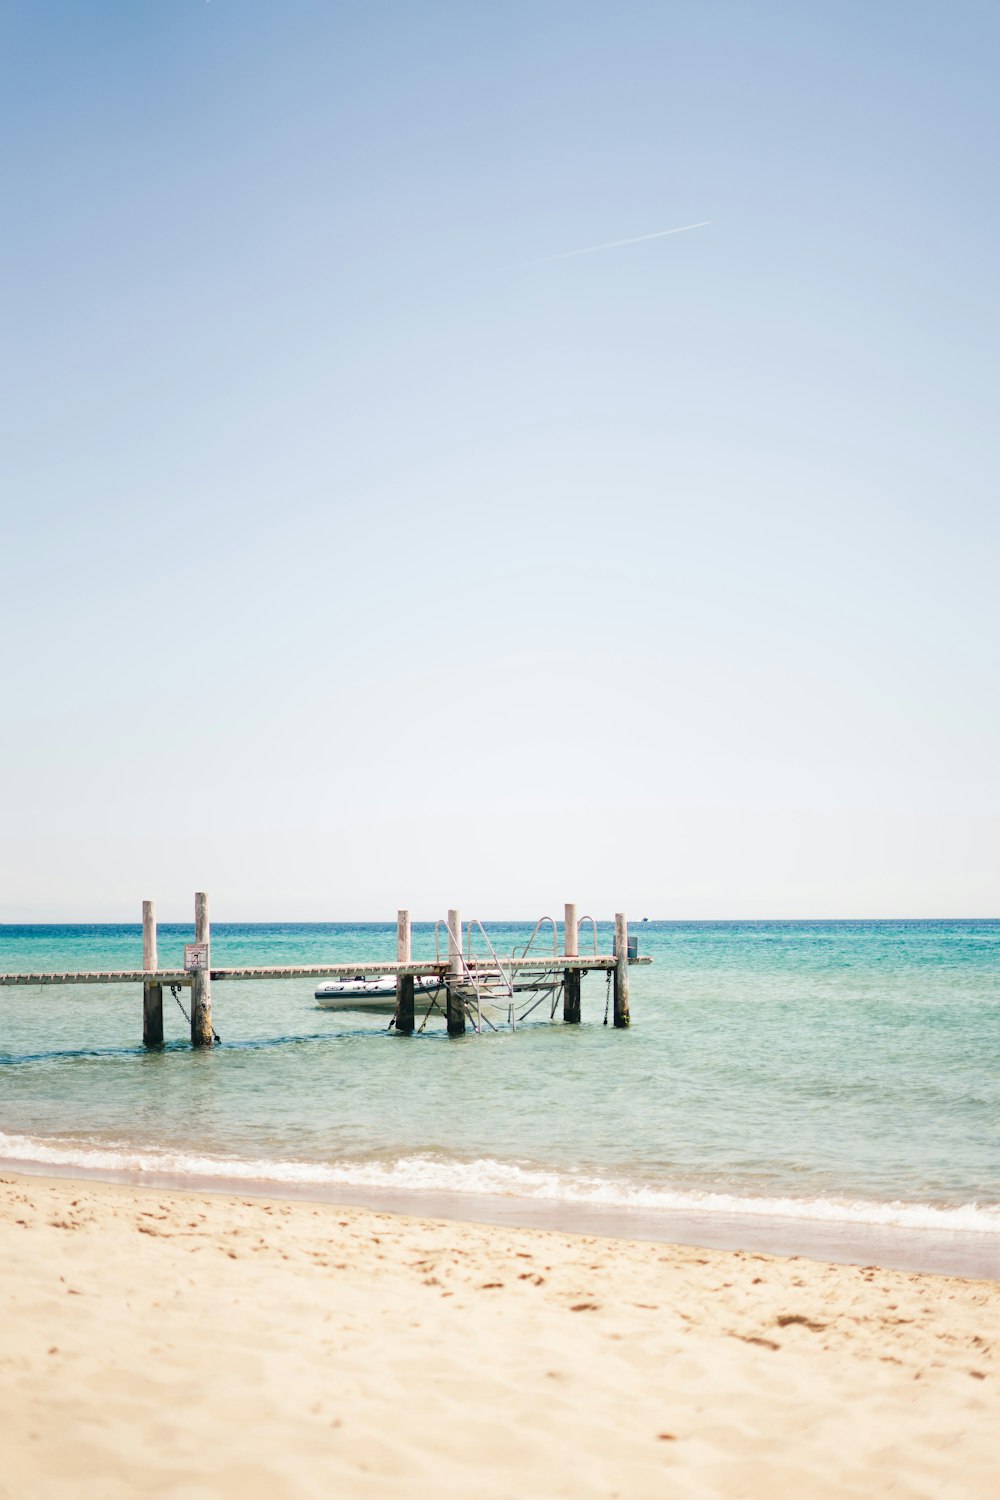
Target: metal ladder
x=480 y=980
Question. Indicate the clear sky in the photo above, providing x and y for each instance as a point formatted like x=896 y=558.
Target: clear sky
x=358 y=554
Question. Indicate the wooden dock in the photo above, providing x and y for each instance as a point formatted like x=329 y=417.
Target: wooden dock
x=421 y=969
x=464 y=975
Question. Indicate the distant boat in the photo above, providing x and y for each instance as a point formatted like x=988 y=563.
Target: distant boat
x=369 y=992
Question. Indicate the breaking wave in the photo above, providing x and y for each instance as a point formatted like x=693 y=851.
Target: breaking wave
x=424 y=1174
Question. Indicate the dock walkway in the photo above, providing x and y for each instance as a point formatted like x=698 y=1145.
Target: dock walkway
x=468 y=979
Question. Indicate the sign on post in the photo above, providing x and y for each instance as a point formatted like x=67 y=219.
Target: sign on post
x=195 y=957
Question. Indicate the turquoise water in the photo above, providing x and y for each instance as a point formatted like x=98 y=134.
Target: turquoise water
x=834 y=1072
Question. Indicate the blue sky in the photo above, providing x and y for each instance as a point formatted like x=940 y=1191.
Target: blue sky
x=359 y=555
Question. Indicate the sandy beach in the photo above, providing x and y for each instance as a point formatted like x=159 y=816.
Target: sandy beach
x=185 y=1345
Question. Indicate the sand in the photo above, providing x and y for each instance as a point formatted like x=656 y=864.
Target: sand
x=183 y=1345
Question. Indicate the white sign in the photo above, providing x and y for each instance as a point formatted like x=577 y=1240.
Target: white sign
x=195 y=956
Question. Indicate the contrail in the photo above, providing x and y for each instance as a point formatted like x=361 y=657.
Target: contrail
x=614 y=244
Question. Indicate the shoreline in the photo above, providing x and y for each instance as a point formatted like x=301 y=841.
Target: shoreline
x=972 y=1255
x=198 y=1346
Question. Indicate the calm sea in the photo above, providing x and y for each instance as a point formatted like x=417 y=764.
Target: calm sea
x=825 y=1087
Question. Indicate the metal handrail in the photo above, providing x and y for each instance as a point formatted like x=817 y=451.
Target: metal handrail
x=508 y=983
x=466 y=970
x=468 y=958
x=593 y=925
x=471 y=968
x=528 y=944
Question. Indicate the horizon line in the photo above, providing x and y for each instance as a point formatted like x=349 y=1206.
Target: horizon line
x=511 y=921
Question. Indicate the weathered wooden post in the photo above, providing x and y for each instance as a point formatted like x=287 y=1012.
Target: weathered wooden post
x=404 y=982
x=456 y=1004
x=152 y=994
x=571 y=977
x=621 y=970
x=202 y=1034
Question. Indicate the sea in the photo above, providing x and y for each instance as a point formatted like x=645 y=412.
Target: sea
x=825 y=1089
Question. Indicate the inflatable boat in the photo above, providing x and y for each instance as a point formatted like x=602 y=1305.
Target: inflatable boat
x=371 y=992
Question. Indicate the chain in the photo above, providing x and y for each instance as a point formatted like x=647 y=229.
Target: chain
x=175 y=991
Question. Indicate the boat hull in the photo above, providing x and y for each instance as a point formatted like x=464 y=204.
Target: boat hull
x=373 y=995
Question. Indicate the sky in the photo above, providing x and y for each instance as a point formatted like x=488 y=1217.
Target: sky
x=365 y=547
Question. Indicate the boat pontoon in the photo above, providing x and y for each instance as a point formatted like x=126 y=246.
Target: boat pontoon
x=371 y=992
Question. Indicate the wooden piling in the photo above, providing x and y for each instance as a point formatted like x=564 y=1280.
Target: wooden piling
x=621 y=970
x=404 y=982
x=455 y=1004
x=571 y=977
x=202 y=1034
x=152 y=994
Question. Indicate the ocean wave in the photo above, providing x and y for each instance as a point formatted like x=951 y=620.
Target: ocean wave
x=488 y=1177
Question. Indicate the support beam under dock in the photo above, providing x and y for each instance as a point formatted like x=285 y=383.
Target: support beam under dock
x=455 y=1002
x=404 y=982
x=202 y=1034
x=622 y=1018
x=152 y=993
x=571 y=977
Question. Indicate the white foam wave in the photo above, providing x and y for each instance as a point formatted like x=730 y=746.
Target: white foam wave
x=485 y=1176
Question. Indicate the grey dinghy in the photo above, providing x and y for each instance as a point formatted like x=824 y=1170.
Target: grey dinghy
x=371 y=992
